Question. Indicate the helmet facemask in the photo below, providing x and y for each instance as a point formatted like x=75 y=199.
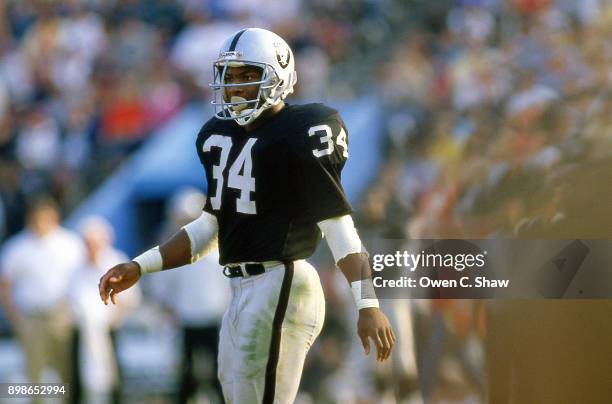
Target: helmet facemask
x=237 y=108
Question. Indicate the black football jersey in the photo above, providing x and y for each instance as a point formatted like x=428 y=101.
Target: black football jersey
x=270 y=187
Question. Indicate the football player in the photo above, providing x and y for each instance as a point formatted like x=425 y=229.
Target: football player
x=273 y=173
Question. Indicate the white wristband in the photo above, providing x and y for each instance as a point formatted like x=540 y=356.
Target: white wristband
x=150 y=261
x=363 y=293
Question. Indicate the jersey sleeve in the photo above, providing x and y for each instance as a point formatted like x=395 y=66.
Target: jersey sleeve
x=320 y=154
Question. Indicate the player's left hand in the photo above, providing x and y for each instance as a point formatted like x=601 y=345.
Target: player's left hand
x=374 y=324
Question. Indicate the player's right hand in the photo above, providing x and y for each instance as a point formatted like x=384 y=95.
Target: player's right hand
x=117 y=279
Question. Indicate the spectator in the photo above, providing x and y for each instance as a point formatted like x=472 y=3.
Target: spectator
x=36 y=267
x=38 y=141
x=96 y=357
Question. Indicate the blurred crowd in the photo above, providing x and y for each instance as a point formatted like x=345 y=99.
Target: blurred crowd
x=499 y=125
x=84 y=82
x=499 y=122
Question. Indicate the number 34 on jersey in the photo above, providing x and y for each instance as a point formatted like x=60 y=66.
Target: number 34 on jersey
x=240 y=176
x=243 y=182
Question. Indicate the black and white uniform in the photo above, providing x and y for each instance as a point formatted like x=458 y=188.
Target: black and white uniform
x=268 y=189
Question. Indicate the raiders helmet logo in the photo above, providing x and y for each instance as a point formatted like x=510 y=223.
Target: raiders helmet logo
x=230 y=55
x=283 y=56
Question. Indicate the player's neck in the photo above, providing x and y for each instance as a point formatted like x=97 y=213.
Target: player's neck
x=265 y=116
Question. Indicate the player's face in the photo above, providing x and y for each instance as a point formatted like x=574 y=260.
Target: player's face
x=240 y=75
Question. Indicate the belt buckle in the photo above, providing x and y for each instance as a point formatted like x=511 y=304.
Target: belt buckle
x=229 y=271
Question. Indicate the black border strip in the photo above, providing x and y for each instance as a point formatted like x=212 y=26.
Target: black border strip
x=235 y=40
x=275 y=340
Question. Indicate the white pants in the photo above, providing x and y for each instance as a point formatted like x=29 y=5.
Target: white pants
x=270 y=325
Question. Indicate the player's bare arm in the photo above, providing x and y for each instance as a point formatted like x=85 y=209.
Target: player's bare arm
x=174 y=253
x=189 y=244
x=372 y=321
x=346 y=248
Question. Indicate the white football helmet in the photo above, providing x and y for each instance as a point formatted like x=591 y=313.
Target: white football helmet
x=265 y=50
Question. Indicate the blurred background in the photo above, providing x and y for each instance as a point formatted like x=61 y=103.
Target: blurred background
x=467 y=119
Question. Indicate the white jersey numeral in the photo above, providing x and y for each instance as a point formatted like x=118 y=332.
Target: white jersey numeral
x=243 y=182
x=341 y=141
x=326 y=140
x=224 y=143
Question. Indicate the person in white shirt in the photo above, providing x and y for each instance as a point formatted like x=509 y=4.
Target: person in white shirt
x=97 y=364
x=35 y=270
